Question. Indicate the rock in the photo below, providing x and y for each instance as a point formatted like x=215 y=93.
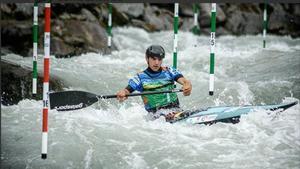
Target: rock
x=24 y=10
x=221 y=17
x=296 y=10
x=205 y=15
x=81 y=28
x=88 y=15
x=6 y=9
x=65 y=16
x=58 y=28
x=243 y=19
x=167 y=6
x=295 y=21
x=61 y=48
x=80 y=37
x=279 y=21
x=134 y=10
x=144 y=25
x=58 y=9
x=186 y=10
x=222 y=31
x=16 y=36
x=118 y=18
x=160 y=19
x=16 y=84
x=102 y=14
x=188 y=24
x=206 y=31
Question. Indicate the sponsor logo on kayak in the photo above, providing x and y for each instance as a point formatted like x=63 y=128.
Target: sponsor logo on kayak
x=201 y=119
x=69 y=107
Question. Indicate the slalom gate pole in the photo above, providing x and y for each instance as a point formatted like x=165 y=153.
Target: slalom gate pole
x=196 y=28
x=46 y=79
x=175 y=42
x=109 y=25
x=265 y=25
x=35 y=44
x=212 y=48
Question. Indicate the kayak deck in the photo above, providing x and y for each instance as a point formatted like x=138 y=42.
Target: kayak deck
x=227 y=114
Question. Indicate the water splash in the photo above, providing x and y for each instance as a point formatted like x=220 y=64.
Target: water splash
x=113 y=135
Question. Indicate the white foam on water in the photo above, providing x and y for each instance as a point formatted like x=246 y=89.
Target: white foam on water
x=138 y=143
x=136 y=161
x=274 y=82
x=113 y=135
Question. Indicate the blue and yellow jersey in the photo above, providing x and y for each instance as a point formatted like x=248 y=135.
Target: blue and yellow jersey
x=149 y=80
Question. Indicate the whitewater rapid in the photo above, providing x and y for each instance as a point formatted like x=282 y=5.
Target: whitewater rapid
x=116 y=135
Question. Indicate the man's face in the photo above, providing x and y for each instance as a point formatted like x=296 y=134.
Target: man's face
x=154 y=63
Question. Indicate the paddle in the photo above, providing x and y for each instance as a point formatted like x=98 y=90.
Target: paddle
x=72 y=100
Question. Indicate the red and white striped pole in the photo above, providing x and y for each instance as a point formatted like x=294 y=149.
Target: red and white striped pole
x=46 y=79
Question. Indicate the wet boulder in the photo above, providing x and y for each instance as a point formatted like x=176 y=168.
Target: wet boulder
x=16 y=84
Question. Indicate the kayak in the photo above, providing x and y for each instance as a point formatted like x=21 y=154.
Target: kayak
x=73 y=100
x=227 y=114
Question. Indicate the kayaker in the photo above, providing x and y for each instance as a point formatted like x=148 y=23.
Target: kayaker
x=157 y=78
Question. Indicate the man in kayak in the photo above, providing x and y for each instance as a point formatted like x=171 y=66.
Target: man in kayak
x=157 y=78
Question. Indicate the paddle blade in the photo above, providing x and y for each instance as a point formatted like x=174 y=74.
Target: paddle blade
x=71 y=100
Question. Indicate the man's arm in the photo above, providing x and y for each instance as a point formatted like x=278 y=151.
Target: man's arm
x=186 y=85
x=133 y=84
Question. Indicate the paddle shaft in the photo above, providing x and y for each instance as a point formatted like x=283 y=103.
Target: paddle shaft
x=139 y=94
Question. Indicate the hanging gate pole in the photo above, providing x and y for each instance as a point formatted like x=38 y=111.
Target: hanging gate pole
x=109 y=25
x=46 y=80
x=35 y=44
x=175 y=48
x=196 y=28
x=212 y=48
x=265 y=25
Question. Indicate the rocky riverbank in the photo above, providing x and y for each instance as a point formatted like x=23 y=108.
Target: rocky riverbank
x=81 y=28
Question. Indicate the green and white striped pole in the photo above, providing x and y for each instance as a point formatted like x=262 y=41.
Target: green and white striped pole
x=109 y=25
x=265 y=25
x=175 y=49
x=212 y=48
x=196 y=29
x=35 y=44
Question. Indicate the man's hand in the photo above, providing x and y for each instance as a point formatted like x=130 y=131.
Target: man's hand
x=174 y=116
x=121 y=95
x=186 y=86
x=170 y=116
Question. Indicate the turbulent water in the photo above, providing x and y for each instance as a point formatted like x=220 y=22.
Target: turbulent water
x=111 y=135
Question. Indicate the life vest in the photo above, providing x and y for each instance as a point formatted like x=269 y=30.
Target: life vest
x=163 y=80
